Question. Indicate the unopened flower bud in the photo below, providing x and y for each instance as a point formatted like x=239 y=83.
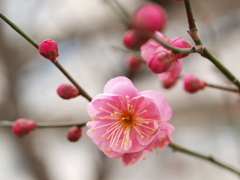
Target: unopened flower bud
x=169 y=82
x=193 y=84
x=48 y=49
x=132 y=61
x=74 y=133
x=181 y=43
x=150 y=17
x=22 y=126
x=32 y=125
x=160 y=62
x=132 y=39
x=67 y=91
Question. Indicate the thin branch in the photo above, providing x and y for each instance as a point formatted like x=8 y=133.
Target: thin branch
x=16 y=28
x=225 y=88
x=58 y=65
x=209 y=158
x=205 y=53
x=8 y=124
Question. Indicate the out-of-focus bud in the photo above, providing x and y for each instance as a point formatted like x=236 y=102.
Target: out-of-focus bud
x=74 y=133
x=150 y=17
x=193 y=84
x=132 y=39
x=67 y=91
x=23 y=126
x=181 y=43
x=48 y=49
x=169 y=82
x=132 y=61
x=160 y=62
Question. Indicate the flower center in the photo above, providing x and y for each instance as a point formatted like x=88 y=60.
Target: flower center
x=127 y=120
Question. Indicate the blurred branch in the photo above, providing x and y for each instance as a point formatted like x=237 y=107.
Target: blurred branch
x=6 y=123
x=225 y=88
x=209 y=158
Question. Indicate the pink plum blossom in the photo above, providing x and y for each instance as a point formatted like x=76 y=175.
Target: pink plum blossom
x=161 y=61
x=152 y=49
x=169 y=82
x=173 y=72
x=125 y=122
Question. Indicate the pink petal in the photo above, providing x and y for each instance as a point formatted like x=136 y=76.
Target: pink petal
x=130 y=158
x=173 y=72
x=112 y=82
x=161 y=103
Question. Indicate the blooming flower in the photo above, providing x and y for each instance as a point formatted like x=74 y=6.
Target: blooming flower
x=125 y=121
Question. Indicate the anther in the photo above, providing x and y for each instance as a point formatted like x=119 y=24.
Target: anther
x=100 y=109
x=127 y=97
x=103 y=136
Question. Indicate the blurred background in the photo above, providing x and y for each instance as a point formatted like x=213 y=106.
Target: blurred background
x=207 y=122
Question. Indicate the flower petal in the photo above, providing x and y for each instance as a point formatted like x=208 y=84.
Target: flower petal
x=161 y=102
x=112 y=82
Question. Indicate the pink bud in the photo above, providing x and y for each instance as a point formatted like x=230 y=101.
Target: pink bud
x=193 y=84
x=169 y=82
x=32 y=125
x=149 y=17
x=160 y=62
x=181 y=43
x=132 y=39
x=132 y=61
x=74 y=133
x=67 y=91
x=22 y=127
x=48 y=49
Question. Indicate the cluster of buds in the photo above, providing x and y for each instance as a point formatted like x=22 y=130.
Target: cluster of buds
x=148 y=18
x=23 y=126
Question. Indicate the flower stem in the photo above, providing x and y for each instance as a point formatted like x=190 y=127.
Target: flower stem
x=205 y=53
x=82 y=91
x=176 y=49
x=46 y=124
x=56 y=63
x=118 y=48
x=225 y=88
x=209 y=158
x=16 y=28
x=120 y=11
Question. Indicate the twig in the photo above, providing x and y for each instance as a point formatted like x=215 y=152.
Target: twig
x=209 y=158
